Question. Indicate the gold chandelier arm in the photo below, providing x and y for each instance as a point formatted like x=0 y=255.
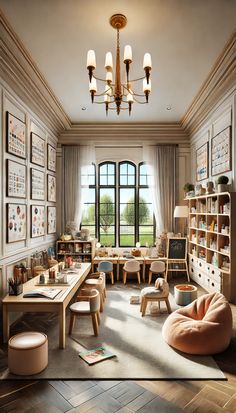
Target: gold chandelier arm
x=139 y=78
x=138 y=101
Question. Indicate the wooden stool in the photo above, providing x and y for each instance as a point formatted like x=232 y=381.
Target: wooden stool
x=28 y=353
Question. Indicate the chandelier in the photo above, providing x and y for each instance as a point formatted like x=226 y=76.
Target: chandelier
x=118 y=95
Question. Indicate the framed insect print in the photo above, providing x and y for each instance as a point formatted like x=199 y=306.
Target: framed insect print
x=37 y=185
x=37 y=221
x=16 y=179
x=221 y=152
x=37 y=150
x=51 y=188
x=51 y=219
x=51 y=158
x=16 y=222
x=202 y=162
x=16 y=136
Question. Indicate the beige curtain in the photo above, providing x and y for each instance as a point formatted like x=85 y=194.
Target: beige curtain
x=161 y=160
x=77 y=160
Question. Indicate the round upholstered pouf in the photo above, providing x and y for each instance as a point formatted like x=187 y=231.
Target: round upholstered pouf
x=185 y=294
x=28 y=353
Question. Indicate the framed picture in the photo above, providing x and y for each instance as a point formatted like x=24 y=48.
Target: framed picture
x=202 y=162
x=16 y=222
x=37 y=185
x=37 y=221
x=51 y=219
x=51 y=188
x=221 y=152
x=37 y=150
x=16 y=136
x=51 y=158
x=16 y=179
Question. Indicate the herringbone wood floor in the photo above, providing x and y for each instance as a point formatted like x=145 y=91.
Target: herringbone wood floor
x=123 y=396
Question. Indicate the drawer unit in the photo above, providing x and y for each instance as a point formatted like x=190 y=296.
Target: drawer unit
x=212 y=285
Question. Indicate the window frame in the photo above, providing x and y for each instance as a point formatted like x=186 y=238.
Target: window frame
x=98 y=199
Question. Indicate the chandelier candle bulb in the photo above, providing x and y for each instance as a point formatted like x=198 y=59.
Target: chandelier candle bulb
x=130 y=98
x=93 y=85
x=91 y=59
x=109 y=77
x=146 y=86
x=108 y=61
x=147 y=61
x=128 y=54
x=107 y=98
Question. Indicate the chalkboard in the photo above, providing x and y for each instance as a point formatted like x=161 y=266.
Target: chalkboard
x=177 y=248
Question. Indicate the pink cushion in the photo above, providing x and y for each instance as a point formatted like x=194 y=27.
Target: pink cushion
x=202 y=327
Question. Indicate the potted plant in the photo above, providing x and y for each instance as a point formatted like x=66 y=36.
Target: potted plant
x=222 y=183
x=189 y=189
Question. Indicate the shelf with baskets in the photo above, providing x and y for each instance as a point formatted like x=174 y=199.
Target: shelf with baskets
x=83 y=251
x=212 y=240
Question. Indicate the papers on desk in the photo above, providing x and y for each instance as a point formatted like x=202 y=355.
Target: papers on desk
x=49 y=293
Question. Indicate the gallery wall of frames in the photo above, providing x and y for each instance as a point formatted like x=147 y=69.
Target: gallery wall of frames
x=28 y=181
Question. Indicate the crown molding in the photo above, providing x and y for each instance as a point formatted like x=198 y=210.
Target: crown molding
x=20 y=72
x=122 y=132
x=220 y=82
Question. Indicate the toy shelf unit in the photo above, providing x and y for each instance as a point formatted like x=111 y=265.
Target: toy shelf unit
x=83 y=251
x=212 y=240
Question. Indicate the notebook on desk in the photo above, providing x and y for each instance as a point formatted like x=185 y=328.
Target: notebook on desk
x=49 y=293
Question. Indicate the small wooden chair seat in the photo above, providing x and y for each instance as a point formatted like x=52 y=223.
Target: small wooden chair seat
x=88 y=304
x=131 y=267
x=155 y=294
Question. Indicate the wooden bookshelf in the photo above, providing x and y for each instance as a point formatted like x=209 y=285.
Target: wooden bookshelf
x=212 y=240
x=83 y=251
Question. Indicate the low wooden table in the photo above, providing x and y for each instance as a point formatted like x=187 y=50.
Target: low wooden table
x=33 y=305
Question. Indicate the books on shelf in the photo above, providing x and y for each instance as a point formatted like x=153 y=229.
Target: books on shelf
x=49 y=293
x=96 y=355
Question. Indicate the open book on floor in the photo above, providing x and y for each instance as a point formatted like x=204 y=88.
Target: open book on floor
x=96 y=355
x=50 y=293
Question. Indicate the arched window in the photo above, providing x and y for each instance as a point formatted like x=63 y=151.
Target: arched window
x=119 y=209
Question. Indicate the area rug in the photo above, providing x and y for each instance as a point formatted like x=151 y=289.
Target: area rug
x=137 y=342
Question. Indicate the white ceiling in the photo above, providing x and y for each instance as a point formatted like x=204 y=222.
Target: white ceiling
x=184 y=37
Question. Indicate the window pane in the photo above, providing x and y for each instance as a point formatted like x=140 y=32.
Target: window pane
x=103 y=180
x=142 y=180
x=131 y=169
x=111 y=169
x=126 y=195
x=123 y=168
x=107 y=238
x=131 y=180
x=103 y=169
x=123 y=180
x=146 y=240
x=107 y=192
x=111 y=180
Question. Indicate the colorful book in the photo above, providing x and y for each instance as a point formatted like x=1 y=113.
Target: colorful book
x=96 y=355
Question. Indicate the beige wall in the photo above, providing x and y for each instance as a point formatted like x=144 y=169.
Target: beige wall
x=11 y=253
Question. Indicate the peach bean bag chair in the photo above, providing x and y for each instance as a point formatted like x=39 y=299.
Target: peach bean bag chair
x=202 y=327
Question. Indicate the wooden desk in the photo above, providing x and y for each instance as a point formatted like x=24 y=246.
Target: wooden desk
x=58 y=305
